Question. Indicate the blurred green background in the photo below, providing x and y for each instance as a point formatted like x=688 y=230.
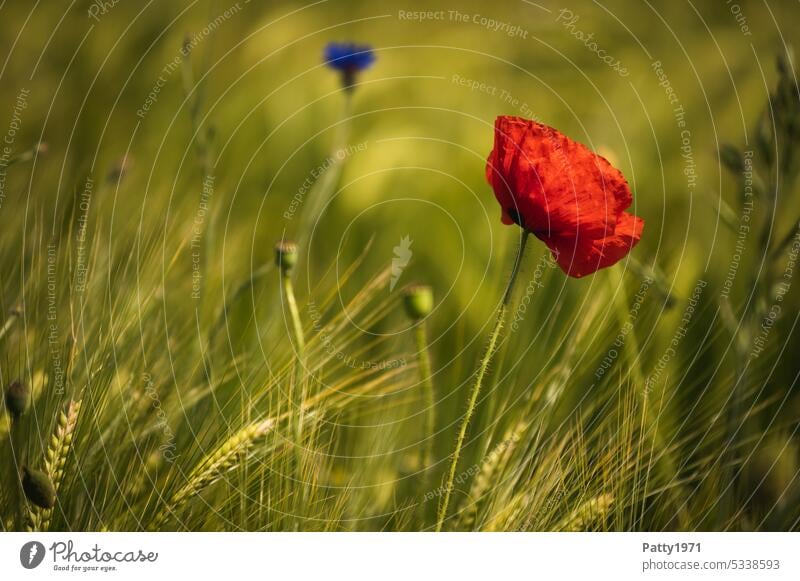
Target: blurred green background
x=103 y=85
x=273 y=107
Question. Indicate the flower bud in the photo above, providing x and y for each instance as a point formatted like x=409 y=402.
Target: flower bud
x=120 y=169
x=731 y=158
x=349 y=59
x=38 y=488
x=18 y=398
x=286 y=255
x=784 y=63
x=764 y=139
x=418 y=301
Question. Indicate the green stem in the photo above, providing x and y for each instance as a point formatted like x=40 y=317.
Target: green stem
x=296 y=384
x=298 y=395
x=297 y=328
x=476 y=389
x=14 y=441
x=323 y=188
x=427 y=386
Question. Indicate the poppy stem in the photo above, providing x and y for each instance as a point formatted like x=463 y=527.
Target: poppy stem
x=476 y=389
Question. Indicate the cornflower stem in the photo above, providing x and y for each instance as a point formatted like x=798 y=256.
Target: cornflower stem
x=476 y=388
x=320 y=193
x=427 y=386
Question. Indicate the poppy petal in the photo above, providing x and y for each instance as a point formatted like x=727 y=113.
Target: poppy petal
x=581 y=255
x=558 y=185
x=562 y=192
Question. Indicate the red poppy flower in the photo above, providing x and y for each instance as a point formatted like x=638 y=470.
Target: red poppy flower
x=567 y=196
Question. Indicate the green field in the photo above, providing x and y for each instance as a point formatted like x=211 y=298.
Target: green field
x=154 y=154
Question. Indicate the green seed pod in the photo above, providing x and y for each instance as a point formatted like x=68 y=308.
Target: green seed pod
x=285 y=255
x=418 y=301
x=38 y=487
x=18 y=398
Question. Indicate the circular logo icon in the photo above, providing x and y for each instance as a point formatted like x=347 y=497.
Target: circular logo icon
x=31 y=554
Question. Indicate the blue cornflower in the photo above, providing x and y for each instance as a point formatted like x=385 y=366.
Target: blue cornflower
x=348 y=58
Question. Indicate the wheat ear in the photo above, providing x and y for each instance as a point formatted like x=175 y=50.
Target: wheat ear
x=223 y=459
x=56 y=458
x=494 y=464
x=587 y=514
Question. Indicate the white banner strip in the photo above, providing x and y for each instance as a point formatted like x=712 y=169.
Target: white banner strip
x=401 y=556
